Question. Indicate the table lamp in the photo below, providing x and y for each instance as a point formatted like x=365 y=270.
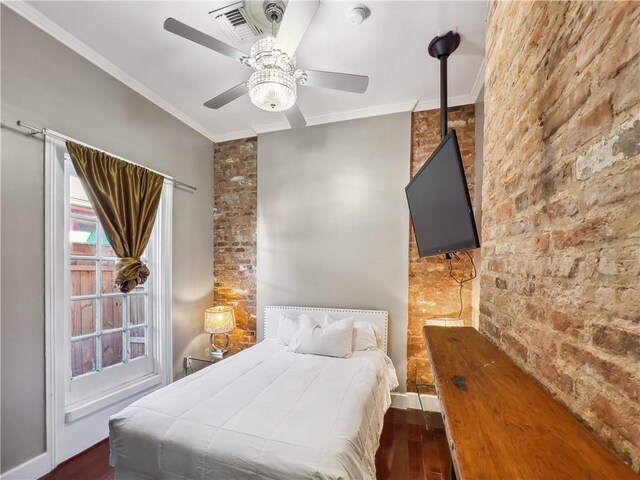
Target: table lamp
x=219 y=320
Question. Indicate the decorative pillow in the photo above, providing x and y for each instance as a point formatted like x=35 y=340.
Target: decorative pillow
x=332 y=340
x=286 y=328
x=366 y=336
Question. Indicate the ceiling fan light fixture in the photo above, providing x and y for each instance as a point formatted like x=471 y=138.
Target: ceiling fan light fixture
x=273 y=85
x=272 y=90
x=264 y=55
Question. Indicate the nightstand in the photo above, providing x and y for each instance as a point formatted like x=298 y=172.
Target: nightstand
x=193 y=364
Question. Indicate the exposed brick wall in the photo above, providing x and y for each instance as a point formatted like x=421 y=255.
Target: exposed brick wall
x=560 y=286
x=234 y=249
x=432 y=292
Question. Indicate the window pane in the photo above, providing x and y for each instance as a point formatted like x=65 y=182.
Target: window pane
x=83 y=317
x=82 y=237
x=79 y=201
x=137 y=309
x=111 y=312
x=137 y=342
x=111 y=349
x=108 y=268
x=83 y=277
x=83 y=356
x=107 y=250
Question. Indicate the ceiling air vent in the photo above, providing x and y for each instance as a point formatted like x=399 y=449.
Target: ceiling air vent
x=233 y=21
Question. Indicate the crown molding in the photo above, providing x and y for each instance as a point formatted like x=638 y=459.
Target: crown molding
x=341 y=116
x=41 y=21
x=227 y=137
x=451 y=102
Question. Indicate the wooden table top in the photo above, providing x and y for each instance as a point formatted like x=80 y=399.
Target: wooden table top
x=502 y=425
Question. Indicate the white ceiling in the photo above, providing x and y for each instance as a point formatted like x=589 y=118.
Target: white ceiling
x=126 y=38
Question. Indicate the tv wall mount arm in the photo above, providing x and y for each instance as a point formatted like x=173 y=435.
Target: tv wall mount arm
x=441 y=47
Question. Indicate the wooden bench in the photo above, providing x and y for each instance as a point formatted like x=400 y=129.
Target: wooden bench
x=502 y=425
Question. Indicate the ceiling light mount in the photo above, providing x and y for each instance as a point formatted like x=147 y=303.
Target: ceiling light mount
x=444 y=45
x=273 y=10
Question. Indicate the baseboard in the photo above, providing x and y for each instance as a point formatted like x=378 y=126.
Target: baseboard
x=403 y=401
x=31 y=469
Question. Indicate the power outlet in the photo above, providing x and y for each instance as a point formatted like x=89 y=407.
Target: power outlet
x=186 y=363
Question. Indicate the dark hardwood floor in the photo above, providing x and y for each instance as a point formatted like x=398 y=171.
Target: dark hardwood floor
x=408 y=451
x=92 y=464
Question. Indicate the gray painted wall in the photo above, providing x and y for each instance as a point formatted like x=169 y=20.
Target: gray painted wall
x=46 y=84
x=333 y=223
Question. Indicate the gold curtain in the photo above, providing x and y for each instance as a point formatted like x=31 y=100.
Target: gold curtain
x=125 y=198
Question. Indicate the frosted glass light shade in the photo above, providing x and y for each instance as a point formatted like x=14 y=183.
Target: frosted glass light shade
x=272 y=90
x=219 y=320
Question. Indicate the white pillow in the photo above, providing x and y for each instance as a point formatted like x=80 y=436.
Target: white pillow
x=333 y=340
x=286 y=328
x=366 y=336
x=328 y=320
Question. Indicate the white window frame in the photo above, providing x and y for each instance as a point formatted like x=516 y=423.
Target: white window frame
x=91 y=385
x=76 y=422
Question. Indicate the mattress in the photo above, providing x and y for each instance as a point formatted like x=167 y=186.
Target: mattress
x=264 y=413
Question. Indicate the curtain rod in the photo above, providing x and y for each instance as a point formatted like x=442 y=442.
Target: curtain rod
x=45 y=131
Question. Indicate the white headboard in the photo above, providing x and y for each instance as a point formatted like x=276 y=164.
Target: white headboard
x=377 y=317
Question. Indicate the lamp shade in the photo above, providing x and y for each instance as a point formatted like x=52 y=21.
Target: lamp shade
x=219 y=320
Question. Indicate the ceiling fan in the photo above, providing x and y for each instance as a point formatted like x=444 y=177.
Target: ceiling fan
x=273 y=84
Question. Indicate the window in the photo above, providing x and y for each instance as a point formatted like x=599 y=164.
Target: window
x=108 y=345
x=105 y=349
x=107 y=328
x=111 y=338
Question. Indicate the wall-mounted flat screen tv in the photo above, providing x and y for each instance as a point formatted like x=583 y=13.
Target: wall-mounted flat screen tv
x=439 y=203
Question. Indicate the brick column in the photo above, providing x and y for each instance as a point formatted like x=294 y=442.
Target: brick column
x=234 y=249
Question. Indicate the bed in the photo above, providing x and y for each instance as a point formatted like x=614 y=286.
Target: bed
x=263 y=413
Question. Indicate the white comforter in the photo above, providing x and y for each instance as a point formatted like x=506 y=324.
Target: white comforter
x=264 y=413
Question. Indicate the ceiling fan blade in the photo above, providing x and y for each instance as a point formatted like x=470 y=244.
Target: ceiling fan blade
x=296 y=20
x=228 y=96
x=337 y=81
x=185 y=31
x=295 y=117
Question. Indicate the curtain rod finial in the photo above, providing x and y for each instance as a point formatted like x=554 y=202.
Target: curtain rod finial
x=33 y=131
